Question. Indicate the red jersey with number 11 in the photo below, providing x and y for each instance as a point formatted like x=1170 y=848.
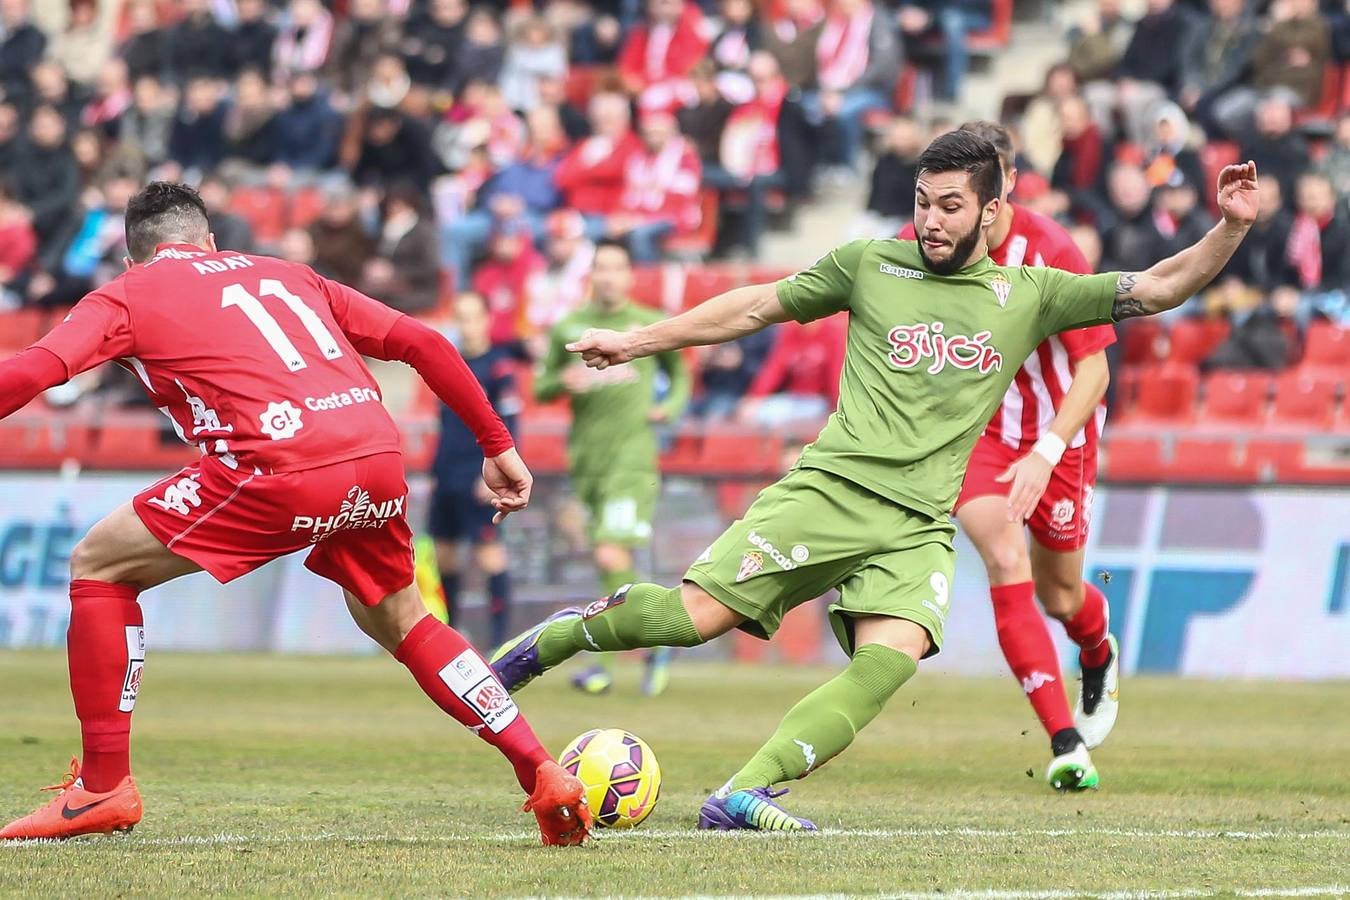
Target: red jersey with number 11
x=254 y=359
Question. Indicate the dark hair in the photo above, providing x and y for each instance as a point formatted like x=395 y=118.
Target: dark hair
x=615 y=245
x=997 y=135
x=965 y=151
x=163 y=211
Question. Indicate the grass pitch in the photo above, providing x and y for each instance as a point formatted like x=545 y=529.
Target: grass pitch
x=273 y=776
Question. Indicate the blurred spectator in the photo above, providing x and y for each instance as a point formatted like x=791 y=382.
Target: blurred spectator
x=799 y=379
x=86 y=146
x=749 y=158
x=738 y=34
x=1259 y=260
x=84 y=46
x=1129 y=238
x=359 y=39
x=1289 y=60
x=522 y=192
x=148 y=124
x=52 y=88
x=660 y=192
x=253 y=39
x=560 y=286
x=1041 y=131
x=112 y=98
x=726 y=373
x=504 y=277
x=660 y=51
x=1097 y=44
x=890 y=201
x=594 y=37
x=303 y=38
x=18 y=246
x=250 y=126
x=482 y=53
x=394 y=147
x=297 y=246
x=1079 y=171
x=342 y=243
x=95 y=248
x=1178 y=217
x=1336 y=164
x=535 y=53
x=480 y=121
x=146 y=50
x=405 y=273
x=45 y=177
x=308 y=128
x=857 y=62
x=792 y=38
x=21 y=46
x=432 y=42
x=1219 y=57
x=1316 y=258
x=1169 y=157
x=1278 y=150
x=198 y=46
x=1149 y=71
x=1089 y=243
x=1260 y=334
x=553 y=93
x=703 y=120
x=389 y=83
x=591 y=175
x=945 y=25
x=232 y=230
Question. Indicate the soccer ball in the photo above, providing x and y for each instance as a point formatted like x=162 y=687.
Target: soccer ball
x=620 y=772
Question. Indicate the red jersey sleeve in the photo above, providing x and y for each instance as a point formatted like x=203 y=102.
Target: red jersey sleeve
x=98 y=329
x=1079 y=342
x=365 y=321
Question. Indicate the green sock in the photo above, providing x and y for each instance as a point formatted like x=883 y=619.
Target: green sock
x=647 y=615
x=610 y=582
x=824 y=722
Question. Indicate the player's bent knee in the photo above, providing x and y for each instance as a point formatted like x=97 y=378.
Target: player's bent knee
x=1060 y=600
x=388 y=622
x=613 y=558
x=710 y=616
x=903 y=635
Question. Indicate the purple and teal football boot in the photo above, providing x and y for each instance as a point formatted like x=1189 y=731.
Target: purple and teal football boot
x=517 y=661
x=752 y=809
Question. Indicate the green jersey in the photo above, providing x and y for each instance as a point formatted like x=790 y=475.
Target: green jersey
x=929 y=358
x=610 y=429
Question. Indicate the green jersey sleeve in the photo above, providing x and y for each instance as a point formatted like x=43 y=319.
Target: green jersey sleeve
x=1073 y=301
x=548 y=373
x=826 y=287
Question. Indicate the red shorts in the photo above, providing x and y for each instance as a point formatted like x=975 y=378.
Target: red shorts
x=1060 y=521
x=352 y=514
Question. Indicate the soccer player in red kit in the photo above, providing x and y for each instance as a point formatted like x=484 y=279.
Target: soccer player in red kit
x=258 y=362
x=1037 y=463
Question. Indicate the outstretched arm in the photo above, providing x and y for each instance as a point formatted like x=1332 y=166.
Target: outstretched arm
x=1172 y=281
x=27 y=374
x=728 y=316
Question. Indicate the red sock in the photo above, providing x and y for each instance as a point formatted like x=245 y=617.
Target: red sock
x=1031 y=653
x=105 y=647
x=1088 y=628
x=459 y=681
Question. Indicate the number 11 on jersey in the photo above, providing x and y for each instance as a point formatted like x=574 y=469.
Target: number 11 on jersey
x=266 y=323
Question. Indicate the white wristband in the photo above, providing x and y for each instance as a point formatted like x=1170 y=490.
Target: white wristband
x=1051 y=447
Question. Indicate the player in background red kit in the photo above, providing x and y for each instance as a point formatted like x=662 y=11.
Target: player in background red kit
x=258 y=362
x=1037 y=463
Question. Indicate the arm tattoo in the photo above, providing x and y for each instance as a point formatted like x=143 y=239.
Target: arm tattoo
x=1126 y=306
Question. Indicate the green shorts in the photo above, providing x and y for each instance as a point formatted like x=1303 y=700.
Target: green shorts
x=813 y=531
x=620 y=502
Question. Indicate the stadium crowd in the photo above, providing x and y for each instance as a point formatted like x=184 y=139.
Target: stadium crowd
x=415 y=148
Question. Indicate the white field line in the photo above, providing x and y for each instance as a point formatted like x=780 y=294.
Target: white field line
x=1142 y=894
x=689 y=834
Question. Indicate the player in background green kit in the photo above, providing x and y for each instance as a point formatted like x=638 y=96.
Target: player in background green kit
x=936 y=334
x=612 y=447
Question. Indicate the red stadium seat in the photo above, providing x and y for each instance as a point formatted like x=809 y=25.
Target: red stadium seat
x=1140 y=340
x=1166 y=395
x=44 y=441
x=684 y=455
x=1327 y=348
x=1304 y=402
x=649 y=284
x=265 y=210
x=997 y=35
x=305 y=206
x=1236 y=398
x=733 y=451
x=1191 y=341
x=1132 y=459
x=700 y=242
x=1214 y=156
x=544 y=447
x=1274 y=460
x=1210 y=460
x=21 y=327
x=702 y=283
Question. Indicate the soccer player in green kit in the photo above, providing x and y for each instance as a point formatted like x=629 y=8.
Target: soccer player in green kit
x=936 y=333
x=612 y=445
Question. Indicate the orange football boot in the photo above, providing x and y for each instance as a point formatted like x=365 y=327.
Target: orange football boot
x=75 y=811
x=559 y=803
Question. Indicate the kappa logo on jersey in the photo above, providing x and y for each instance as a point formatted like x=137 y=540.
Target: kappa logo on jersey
x=181 y=496
x=281 y=420
x=1061 y=513
x=204 y=419
x=901 y=272
x=912 y=344
x=356 y=512
x=1001 y=287
x=1035 y=681
x=341 y=399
